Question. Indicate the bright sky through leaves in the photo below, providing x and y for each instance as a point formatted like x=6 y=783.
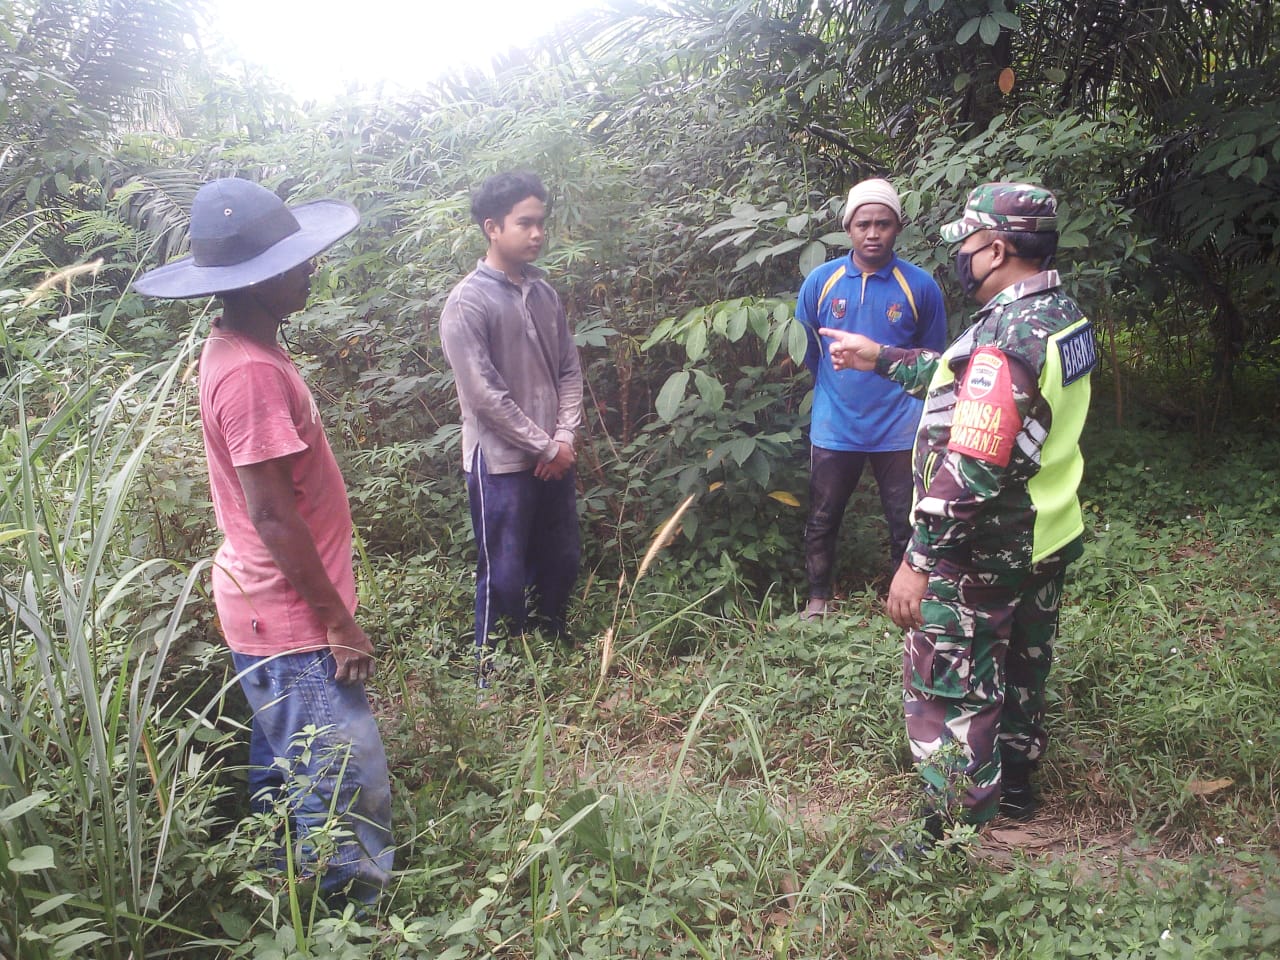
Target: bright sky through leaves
x=316 y=49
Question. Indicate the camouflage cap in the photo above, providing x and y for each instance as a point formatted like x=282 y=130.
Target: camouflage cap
x=1015 y=207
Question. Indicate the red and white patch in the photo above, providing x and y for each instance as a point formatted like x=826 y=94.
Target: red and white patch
x=986 y=419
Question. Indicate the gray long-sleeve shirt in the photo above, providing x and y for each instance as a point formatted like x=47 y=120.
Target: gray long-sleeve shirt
x=516 y=368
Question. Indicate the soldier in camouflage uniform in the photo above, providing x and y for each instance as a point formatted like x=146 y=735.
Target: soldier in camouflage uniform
x=996 y=518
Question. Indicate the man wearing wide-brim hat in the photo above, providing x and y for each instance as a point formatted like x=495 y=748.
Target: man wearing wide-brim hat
x=996 y=517
x=283 y=580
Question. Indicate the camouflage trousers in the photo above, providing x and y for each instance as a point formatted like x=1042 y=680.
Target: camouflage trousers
x=974 y=680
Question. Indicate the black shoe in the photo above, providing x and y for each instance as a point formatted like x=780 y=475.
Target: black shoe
x=1018 y=802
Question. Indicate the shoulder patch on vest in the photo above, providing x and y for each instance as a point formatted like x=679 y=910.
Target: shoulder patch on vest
x=1079 y=353
x=986 y=421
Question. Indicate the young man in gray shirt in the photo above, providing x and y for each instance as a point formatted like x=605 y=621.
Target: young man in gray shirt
x=519 y=385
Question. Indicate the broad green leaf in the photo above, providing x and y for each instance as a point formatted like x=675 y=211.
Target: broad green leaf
x=67 y=926
x=1219 y=155
x=989 y=30
x=70 y=946
x=737 y=324
x=965 y=34
x=759 y=323
x=774 y=341
x=32 y=859
x=671 y=395
x=462 y=925
x=696 y=344
x=741 y=448
x=812 y=256
x=689 y=526
x=737 y=239
x=660 y=333
x=733 y=223
x=20 y=807
x=53 y=903
x=233 y=924
x=710 y=390
x=797 y=343
x=720 y=319
x=781 y=247
x=757 y=467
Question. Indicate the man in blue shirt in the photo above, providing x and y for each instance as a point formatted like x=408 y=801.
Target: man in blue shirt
x=859 y=418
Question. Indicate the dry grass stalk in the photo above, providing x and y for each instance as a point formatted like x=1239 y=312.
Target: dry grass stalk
x=664 y=537
x=64 y=277
x=606 y=659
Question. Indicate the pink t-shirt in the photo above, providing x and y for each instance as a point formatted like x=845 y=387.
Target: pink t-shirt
x=254 y=407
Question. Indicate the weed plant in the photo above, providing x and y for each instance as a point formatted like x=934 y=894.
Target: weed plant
x=720 y=797
x=108 y=760
x=700 y=775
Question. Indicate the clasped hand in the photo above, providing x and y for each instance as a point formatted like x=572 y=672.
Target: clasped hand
x=557 y=466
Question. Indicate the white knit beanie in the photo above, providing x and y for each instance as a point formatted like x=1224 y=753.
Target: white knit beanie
x=872 y=191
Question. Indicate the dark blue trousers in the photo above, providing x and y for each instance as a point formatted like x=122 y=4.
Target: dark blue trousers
x=528 y=547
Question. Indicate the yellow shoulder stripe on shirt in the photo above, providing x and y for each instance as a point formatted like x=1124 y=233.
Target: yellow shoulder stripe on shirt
x=836 y=274
x=902 y=282
x=897 y=275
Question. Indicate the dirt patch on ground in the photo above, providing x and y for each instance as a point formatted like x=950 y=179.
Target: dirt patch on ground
x=829 y=805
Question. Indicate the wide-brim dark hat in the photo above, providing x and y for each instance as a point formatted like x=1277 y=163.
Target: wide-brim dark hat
x=242 y=234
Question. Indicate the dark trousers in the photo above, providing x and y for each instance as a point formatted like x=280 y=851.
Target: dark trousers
x=833 y=476
x=974 y=680
x=528 y=548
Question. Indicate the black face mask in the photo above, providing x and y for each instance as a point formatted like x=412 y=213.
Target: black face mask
x=964 y=271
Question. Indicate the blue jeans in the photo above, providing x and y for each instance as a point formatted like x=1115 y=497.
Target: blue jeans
x=833 y=476
x=338 y=766
x=527 y=546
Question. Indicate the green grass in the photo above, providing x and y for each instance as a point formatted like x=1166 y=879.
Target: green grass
x=716 y=800
x=722 y=790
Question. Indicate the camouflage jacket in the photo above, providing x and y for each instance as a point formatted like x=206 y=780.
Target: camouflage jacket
x=997 y=460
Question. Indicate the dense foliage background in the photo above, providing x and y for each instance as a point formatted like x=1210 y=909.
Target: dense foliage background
x=699 y=776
